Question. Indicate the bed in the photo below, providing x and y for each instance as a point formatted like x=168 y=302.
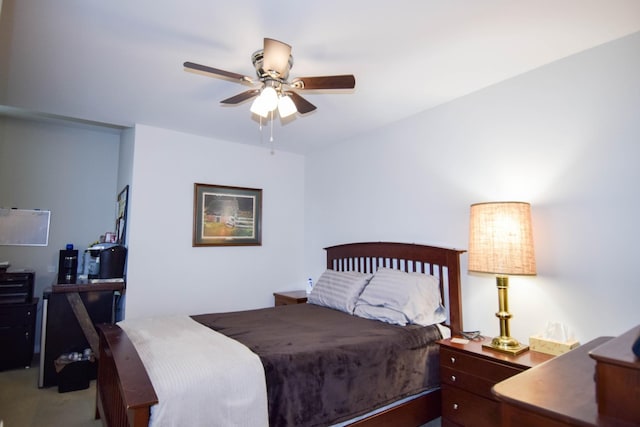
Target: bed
x=125 y=394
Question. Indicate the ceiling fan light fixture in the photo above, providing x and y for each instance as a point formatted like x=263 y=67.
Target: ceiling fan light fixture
x=269 y=98
x=286 y=107
x=272 y=64
x=266 y=102
x=258 y=107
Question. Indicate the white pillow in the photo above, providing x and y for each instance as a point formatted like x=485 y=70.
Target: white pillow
x=338 y=289
x=416 y=295
x=383 y=314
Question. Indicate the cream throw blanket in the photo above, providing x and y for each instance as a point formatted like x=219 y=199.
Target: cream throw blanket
x=201 y=377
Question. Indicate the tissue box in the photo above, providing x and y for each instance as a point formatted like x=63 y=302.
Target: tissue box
x=549 y=346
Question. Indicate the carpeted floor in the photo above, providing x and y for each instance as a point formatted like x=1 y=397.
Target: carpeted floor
x=23 y=404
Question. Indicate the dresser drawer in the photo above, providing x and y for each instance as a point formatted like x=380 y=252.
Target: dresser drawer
x=17 y=315
x=14 y=338
x=466 y=381
x=17 y=348
x=493 y=372
x=468 y=409
x=16 y=287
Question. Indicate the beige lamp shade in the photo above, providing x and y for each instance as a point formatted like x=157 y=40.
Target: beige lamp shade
x=501 y=239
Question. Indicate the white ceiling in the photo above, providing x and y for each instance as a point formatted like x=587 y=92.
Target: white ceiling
x=120 y=61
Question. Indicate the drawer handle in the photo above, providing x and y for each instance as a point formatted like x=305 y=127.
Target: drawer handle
x=453 y=359
x=453 y=378
x=455 y=406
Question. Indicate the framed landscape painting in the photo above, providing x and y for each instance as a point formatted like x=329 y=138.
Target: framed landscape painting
x=226 y=216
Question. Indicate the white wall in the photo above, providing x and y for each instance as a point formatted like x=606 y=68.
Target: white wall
x=166 y=275
x=125 y=161
x=563 y=137
x=67 y=169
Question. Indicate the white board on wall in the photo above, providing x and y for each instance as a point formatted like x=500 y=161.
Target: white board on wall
x=24 y=227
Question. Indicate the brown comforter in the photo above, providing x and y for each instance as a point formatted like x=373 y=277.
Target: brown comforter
x=323 y=366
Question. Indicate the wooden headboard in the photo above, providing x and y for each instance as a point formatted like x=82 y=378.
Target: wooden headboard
x=443 y=263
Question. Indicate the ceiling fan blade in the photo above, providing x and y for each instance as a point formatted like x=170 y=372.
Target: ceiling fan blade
x=302 y=105
x=276 y=56
x=344 y=81
x=217 y=72
x=237 y=99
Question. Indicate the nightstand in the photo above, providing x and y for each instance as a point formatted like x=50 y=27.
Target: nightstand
x=290 y=297
x=467 y=373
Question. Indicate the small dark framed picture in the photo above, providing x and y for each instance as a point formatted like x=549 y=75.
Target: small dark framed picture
x=121 y=219
x=226 y=216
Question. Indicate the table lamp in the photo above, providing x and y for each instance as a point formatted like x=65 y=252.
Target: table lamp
x=501 y=243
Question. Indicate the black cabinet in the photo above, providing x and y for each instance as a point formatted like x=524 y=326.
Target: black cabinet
x=61 y=330
x=17 y=330
x=17 y=318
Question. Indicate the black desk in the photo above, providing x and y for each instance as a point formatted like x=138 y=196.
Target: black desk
x=61 y=331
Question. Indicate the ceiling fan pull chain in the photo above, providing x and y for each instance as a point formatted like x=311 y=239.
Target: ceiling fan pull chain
x=260 y=130
x=271 y=136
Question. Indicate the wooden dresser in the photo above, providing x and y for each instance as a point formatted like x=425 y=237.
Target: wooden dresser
x=467 y=373
x=618 y=377
x=560 y=393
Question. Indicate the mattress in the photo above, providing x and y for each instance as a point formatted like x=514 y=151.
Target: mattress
x=323 y=366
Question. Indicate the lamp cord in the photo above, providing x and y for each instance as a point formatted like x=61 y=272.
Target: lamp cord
x=472 y=335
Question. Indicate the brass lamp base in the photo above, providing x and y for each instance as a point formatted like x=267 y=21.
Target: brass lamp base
x=506 y=345
x=504 y=342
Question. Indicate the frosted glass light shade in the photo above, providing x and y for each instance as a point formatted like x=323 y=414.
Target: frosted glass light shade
x=270 y=98
x=265 y=103
x=501 y=239
x=286 y=107
x=258 y=107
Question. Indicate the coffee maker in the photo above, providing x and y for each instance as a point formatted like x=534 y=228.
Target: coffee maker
x=68 y=265
x=105 y=261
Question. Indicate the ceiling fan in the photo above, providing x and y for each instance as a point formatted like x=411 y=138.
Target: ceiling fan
x=272 y=64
